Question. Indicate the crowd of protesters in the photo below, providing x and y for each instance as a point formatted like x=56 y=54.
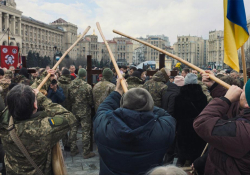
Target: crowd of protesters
x=169 y=116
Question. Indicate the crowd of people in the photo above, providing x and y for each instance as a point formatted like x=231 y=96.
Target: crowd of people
x=170 y=115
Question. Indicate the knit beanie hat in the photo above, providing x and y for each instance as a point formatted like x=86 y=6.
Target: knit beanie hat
x=190 y=79
x=137 y=99
x=82 y=73
x=179 y=80
x=163 y=70
x=1 y=72
x=247 y=91
x=136 y=74
x=65 y=72
x=107 y=74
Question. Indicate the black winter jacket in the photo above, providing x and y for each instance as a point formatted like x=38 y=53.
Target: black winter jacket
x=188 y=105
x=169 y=96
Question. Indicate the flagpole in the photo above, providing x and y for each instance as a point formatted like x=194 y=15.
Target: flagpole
x=244 y=64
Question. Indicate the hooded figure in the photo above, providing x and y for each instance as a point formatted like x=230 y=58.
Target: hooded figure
x=103 y=88
x=157 y=86
x=22 y=77
x=24 y=72
x=188 y=105
x=134 y=80
x=131 y=134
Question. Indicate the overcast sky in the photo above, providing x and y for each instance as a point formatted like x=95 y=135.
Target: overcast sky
x=133 y=17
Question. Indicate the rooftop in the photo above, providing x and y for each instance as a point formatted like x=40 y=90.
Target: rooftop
x=60 y=20
x=129 y=42
x=111 y=41
x=26 y=18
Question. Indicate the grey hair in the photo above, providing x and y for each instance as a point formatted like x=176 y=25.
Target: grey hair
x=167 y=170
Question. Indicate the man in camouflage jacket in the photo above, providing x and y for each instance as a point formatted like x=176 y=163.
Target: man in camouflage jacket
x=38 y=81
x=4 y=83
x=22 y=77
x=81 y=100
x=157 y=86
x=64 y=82
x=103 y=88
x=38 y=131
x=135 y=81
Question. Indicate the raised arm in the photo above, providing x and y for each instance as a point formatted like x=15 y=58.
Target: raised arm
x=225 y=135
x=60 y=120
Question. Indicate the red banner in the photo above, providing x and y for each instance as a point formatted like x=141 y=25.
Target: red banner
x=9 y=56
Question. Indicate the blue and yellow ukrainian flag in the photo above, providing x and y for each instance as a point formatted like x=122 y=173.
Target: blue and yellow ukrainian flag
x=235 y=31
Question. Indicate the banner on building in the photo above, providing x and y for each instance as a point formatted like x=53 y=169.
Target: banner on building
x=9 y=56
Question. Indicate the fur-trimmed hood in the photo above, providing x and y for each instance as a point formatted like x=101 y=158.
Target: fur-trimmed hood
x=159 y=77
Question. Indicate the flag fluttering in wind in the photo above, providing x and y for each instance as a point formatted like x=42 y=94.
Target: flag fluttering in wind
x=235 y=31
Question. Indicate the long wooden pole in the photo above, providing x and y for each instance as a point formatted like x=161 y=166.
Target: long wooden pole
x=244 y=64
x=63 y=56
x=57 y=156
x=175 y=57
x=123 y=83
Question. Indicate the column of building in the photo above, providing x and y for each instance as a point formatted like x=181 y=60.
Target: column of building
x=19 y=26
x=1 y=22
x=6 y=21
x=33 y=39
x=28 y=33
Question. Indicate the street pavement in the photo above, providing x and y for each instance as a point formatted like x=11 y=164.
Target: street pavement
x=77 y=165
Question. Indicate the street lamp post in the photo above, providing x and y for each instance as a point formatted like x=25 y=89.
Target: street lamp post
x=55 y=51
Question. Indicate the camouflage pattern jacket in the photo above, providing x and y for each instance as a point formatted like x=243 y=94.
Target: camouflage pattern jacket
x=101 y=90
x=37 y=135
x=81 y=98
x=4 y=83
x=33 y=79
x=134 y=82
x=156 y=87
x=8 y=74
x=205 y=91
x=21 y=79
x=38 y=81
x=64 y=82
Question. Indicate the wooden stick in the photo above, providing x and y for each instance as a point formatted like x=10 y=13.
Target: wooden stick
x=58 y=164
x=177 y=58
x=123 y=82
x=63 y=56
x=203 y=152
x=244 y=64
